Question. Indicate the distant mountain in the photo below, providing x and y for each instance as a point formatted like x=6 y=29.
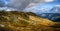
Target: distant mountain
x=55 y=9
x=51 y=16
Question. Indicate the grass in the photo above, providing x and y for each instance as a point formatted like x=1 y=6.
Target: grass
x=25 y=21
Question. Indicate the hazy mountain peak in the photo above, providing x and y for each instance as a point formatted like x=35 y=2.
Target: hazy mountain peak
x=55 y=9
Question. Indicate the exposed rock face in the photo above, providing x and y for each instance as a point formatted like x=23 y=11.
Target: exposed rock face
x=24 y=21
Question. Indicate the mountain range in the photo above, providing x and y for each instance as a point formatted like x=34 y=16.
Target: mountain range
x=52 y=14
x=55 y=9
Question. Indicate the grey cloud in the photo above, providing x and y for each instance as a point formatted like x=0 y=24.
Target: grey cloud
x=40 y=2
x=22 y=4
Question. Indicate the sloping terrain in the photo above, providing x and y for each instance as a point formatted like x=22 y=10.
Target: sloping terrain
x=25 y=21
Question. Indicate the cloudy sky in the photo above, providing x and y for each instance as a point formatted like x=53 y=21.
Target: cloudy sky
x=22 y=3
x=30 y=5
x=45 y=6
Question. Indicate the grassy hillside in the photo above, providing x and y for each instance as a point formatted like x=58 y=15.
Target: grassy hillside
x=24 y=21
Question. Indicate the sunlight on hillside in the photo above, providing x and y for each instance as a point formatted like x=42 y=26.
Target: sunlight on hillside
x=24 y=21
